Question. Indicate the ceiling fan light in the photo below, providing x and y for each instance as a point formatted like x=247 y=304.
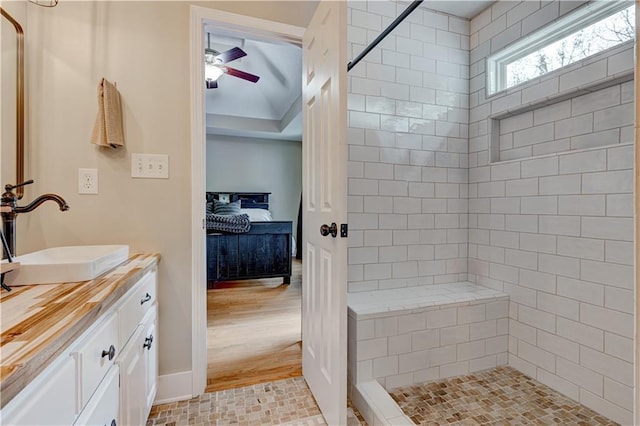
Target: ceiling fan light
x=212 y=72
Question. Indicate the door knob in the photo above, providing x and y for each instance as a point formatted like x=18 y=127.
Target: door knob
x=326 y=230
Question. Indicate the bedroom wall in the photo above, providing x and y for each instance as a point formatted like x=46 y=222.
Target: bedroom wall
x=144 y=47
x=556 y=231
x=258 y=165
x=408 y=115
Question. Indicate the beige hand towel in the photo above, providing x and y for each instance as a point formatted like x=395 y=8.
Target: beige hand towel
x=107 y=130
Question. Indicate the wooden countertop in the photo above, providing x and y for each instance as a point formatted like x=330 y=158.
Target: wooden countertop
x=37 y=322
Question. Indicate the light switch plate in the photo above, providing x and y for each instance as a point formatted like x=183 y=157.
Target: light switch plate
x=150 y=166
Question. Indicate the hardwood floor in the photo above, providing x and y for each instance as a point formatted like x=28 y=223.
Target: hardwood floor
x=254 y=331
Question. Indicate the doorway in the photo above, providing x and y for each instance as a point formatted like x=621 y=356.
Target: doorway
x=253 y=164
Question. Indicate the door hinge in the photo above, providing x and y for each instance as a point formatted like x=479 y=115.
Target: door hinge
x=204 y=223
x=344 y=230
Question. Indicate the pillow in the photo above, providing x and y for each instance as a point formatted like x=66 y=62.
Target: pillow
x=257 y=215
x=209 y=207
x=226 y=208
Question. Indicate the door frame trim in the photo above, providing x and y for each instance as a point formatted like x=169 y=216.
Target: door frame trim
x=249 y=25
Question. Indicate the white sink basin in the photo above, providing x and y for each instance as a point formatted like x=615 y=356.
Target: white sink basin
x=66 y=264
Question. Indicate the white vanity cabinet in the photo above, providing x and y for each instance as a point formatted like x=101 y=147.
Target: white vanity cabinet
x=107 y=376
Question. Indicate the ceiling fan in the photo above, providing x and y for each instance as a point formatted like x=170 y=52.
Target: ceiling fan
x=215 y=65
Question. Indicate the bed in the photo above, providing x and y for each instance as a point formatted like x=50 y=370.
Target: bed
x=264 y=251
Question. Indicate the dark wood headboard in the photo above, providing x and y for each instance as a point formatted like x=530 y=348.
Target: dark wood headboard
x=248 y=200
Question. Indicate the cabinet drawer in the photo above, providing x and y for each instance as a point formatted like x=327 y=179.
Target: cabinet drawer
x=140 y=299
x=96 y=355
x=102 y=408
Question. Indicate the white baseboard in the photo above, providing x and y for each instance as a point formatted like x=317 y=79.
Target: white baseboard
x=174 y=387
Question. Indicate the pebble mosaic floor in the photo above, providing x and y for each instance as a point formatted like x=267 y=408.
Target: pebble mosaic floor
x=500 y=396
x=284 y=402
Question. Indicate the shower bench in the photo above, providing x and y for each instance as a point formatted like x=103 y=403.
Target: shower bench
x=415 y=334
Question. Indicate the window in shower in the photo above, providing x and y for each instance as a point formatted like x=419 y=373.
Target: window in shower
x=591 y=29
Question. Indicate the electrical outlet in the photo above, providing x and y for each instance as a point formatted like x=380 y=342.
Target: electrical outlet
x=87 y=181
x=150 y=166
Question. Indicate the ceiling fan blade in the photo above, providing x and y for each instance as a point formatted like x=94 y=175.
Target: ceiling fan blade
x=241 y=74
x=211 y=84
x=231 y=55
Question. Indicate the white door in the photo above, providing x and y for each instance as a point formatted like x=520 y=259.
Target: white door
x=324 y=152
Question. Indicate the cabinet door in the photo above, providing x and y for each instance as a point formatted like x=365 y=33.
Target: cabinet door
x=132 y=381
x=102 y=408
x=150 y=356
x=48 y=400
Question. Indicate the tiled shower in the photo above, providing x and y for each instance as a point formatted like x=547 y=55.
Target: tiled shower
x=528 y=192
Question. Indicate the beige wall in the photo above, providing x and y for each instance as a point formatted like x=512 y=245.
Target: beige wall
x=143 y=46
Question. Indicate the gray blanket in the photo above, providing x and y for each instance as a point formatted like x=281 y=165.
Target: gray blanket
x=237 y=224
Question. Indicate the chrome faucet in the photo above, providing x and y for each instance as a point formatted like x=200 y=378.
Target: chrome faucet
x=9 y=210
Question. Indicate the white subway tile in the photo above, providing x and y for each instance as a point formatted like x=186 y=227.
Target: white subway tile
x=558 y=383
x=618 y=393
x=536 y=318
x=442 y=355
x=536 y=356
x=588 y=161
x=454 y=335
x=608 y=228
x=610 y=118
x=620 y=158
x=620 y=205
x=521 y=223
x=370 y=349
x=406 y=205
x=607 y=182
x=607 y=365
x=538 y=242
x=581 y=290
x=483 y=330
x=471 y=313
x=363 y=255
x=580 y=375
x=538 y=280
x=583 y=75
x=607 y=273
x=421 y=252
x=584 y=334
x=385 y=366
x=470 y=350
x=377 y=271
x=582 y=205
x=521 y=187
x=565 y=184
x=539 y=205
x=619 y=346
x=559 y=225
x=400 y=344
x=405 y=269
x=619 y=299
x=539 y=167
x=412 y=361
x=559 y=265
x=551 y=113
x=601 y=99
x=607 y=319
x=421 y=221
x=619 y=252
x=558 y=305
x=388 y=187
x=425 y=339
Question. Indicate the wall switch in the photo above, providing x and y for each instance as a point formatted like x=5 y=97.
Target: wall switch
x=87 y=181
x=150 y=166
